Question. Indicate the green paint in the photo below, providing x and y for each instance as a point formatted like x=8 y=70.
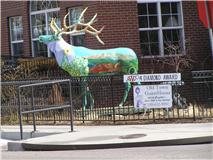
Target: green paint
x=78 y=67
x=48 y=38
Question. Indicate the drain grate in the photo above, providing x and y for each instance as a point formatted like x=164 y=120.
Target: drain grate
x=132 y=136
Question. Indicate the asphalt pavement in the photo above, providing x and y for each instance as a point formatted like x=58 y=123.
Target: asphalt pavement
x=179 y=152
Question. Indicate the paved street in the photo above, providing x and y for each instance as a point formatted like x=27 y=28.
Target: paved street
x=182 y=152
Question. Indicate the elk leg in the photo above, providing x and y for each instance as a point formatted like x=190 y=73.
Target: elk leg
x=91 y=99
x=84 y=96
x=126 y=92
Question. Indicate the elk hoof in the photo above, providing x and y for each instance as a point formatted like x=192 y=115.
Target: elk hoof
x=120 y=105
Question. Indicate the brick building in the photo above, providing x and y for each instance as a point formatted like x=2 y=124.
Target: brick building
x=145 y=26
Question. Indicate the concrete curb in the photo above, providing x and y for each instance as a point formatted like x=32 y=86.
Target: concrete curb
x=15 y=146
x=15 y=136
x=118 y=136
x=184 y=141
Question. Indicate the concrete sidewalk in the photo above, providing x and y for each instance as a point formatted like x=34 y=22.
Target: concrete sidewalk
x=97 y=137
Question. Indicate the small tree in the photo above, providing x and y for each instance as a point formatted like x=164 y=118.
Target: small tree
x=178 y=58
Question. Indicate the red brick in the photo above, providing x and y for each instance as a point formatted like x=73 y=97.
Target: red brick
x=121 y=28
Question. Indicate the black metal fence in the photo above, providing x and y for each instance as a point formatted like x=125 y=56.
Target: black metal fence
x=194 y=100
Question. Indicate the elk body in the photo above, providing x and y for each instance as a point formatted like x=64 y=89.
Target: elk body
x=81 y=61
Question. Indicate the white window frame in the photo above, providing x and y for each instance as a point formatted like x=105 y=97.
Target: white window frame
x=75 y=34
x=11 y=38
x=46 y=11
x=160 y=28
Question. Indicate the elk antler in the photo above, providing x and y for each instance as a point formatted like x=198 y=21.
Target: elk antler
x=85 y=27
x=54 y=26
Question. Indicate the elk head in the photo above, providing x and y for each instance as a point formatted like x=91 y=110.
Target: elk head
x=78 y=27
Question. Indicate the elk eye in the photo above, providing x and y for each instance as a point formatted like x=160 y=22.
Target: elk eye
x=66 y=51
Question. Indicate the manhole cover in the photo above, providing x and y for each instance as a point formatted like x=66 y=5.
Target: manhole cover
x=131 y=136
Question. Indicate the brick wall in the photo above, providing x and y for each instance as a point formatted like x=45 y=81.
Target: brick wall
x=120 y=21
x=121 y=29
x=198 y=37
x=198 y=43
x=10 y=9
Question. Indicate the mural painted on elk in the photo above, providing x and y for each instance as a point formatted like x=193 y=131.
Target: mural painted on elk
x=83 y=62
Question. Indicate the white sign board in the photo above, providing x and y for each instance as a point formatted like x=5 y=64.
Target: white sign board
x=165 y=77
x=152 y=96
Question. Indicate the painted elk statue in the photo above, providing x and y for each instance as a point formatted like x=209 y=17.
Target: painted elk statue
x=81 y=61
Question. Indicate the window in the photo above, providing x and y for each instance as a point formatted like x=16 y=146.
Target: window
x=78 y=38
x=43 y=5
x=41 y=14
x=16 y=35
x=160 y=25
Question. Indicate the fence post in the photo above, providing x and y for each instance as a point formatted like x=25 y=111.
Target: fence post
x=20 y=114
x=167 y=110
x=33 y=107
x=82 y=85
x=112 y=98
x=71 y=106
x=153 y=112
x=54 y=119
x=54 y=100
x=194 y=112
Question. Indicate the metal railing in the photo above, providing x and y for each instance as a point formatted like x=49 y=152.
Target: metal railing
x=34 y=108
